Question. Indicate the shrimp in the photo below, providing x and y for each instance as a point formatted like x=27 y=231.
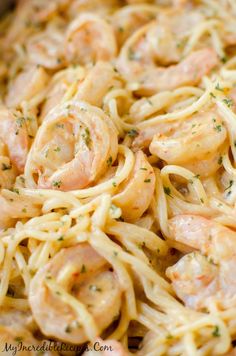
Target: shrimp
x=26 y=85
x=90 y=39
x=59 y=85
x=101 y=78
x=72 y=147
x=20 y=340
x=46 y=49
x=14 y=206
x=135 y=194
x=160 y=43
x=14 y=317
x=151 y=80
x=13 y=133
x=130 y=18
x=13 y=336
x=31 y=13
x=88 y=278
x=206 y=274
x=197 y=137
x=8 y=172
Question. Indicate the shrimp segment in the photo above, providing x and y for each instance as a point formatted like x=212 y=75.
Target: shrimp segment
x=26 y=85
x=88 y=279
x=97 y=83
x=72 y=147
x=45 y=49
x=201 y=135
x=136 y=193
x=150 y=79
x=130 y=18
x=205 y=275
x=90 y=39
x=13 y=133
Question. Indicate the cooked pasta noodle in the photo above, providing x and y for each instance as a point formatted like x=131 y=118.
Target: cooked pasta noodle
x=118 y=177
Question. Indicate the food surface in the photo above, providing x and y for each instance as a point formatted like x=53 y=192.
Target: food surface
x=118 y=178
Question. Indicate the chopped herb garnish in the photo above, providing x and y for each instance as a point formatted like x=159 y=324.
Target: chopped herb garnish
x=57 y=149
x=19 y=339
x=212 y=95
x=147 y=180
x=109 y=161
x=218 y=128
x=114 y=184
x=68 y=329
x=149 y=101
x=83 y=269
x=167 y=191
x=143 y=169
x=217 y=87
x=6 y=167
x=61 y=238
x=216 y=331
x=61 y=126
x=115 y=253
x=224 y=59
x=132 y=133
x=228 y=102
x=132 y=55
x=231 y=182
x=20 y=121
x=94 y=288
x=57 y=183
x=24 y=210
x=86 y=137
x=220 y=160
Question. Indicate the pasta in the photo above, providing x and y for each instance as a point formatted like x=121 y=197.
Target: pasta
x=117 y=177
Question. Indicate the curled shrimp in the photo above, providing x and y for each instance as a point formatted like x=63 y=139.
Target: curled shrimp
x=60 y=83
x=46 y=49
x=130 y=18
x=135 y=194
x=13 y=133
x=26 y=85
x=85 y=275
x=100 y=79
x=29 y=14
x=158 y=44
x=72 y=147
x=151 y=79
x=89 y=39
x=197 y=137
x=205 y=275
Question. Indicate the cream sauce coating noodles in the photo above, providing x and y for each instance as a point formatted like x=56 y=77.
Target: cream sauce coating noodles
x=118 y=178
